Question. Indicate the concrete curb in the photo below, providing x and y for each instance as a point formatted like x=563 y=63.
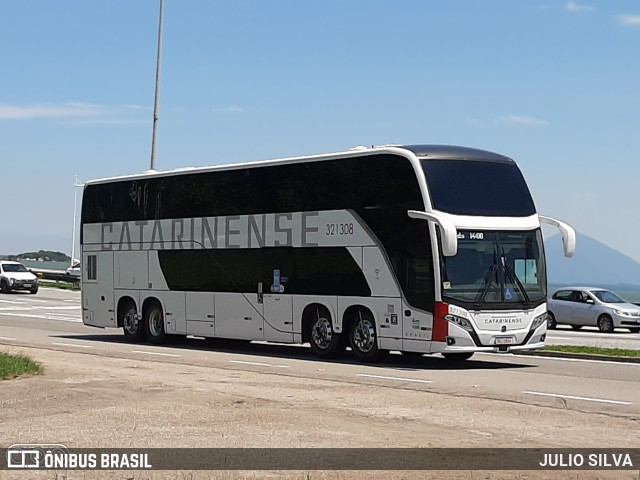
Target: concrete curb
x=583 y=356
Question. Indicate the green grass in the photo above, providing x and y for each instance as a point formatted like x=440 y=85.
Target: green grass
x=612 y=352
x=61 y=285
x=12 y=366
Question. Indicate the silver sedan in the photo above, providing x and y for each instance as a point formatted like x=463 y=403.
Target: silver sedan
x=587 y=306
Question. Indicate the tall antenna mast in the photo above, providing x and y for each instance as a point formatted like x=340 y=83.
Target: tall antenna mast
x=157 y=97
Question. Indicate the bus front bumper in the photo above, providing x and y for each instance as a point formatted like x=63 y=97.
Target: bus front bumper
x=460 y=340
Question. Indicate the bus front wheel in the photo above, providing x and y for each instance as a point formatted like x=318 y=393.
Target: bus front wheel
x=457 y=357
x=363 y=339
x=154 y=323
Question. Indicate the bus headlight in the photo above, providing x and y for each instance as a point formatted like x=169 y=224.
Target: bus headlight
x=461 y=322
x=539 y=320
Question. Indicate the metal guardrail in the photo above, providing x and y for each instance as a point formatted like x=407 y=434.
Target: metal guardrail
x=56 y=275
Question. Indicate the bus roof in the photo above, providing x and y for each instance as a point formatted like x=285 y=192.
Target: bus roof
x=444 y=152
x=450 y=152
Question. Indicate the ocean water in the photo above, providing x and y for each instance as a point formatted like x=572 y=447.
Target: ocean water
x=629 y=296
x=46 y=265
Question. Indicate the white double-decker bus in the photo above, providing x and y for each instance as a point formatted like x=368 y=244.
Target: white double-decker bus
x=420 y=249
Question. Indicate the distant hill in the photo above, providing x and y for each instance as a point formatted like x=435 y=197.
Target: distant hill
x=594 y=263
x=41 y=255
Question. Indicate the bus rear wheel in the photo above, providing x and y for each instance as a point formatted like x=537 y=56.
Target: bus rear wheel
x=154 y=323
x=363 y=339
x=132 y=327
x=325 y=341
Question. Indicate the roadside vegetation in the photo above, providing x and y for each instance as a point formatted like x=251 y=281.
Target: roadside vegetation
x=12 y=366
x=610 y=352
x=60 y=285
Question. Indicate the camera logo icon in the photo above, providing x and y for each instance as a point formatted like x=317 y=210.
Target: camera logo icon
x=29 y=455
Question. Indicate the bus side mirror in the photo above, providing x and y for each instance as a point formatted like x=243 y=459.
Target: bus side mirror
x=568 y=234
x=448 y=230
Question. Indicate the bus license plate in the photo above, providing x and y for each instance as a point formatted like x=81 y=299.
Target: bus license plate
x=504 y=340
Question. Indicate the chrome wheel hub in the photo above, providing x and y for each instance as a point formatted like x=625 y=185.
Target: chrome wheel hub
x=322 y=333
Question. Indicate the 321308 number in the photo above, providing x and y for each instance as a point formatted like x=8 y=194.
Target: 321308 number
x=339 y=229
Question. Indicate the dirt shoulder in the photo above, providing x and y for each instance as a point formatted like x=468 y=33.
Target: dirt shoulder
x=90 y=401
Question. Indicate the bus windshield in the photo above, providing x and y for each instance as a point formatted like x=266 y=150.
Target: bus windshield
x=490 y=189
x=496 y=269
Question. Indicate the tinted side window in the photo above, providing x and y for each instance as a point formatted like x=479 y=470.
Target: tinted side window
x=562 y=295
x=313 y=271
x=353 y=183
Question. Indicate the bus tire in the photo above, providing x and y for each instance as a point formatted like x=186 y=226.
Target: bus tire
x=325 y=341
x=132 y=327
x=457 y=357
x=154 y=323
x=412 y=354
x=363 y=339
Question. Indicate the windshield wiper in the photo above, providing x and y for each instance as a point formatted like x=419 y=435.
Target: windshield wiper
x=486 y=285
x=509 y=271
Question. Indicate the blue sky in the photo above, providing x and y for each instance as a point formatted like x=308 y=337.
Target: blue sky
x=554 y=84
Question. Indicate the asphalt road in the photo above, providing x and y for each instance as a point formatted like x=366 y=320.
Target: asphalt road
x=51 y=320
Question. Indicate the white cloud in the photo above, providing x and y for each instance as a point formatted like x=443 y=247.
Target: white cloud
x=232 y=109
x=629 y=19
x=105 y=121
x=571 y=6
x=135 y=107
x=520 y=120
x=75 y=113
x=586 y=195
x=20 y=112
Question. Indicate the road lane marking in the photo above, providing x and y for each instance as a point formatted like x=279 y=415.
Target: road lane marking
x=72 y=345
x=400 y=379
x=7 y=338
x=572 y=397
x=63 y=307
x=562 y=338
x=43 y=317
x=561 y=359
x=259 y=364
x=156 y=353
